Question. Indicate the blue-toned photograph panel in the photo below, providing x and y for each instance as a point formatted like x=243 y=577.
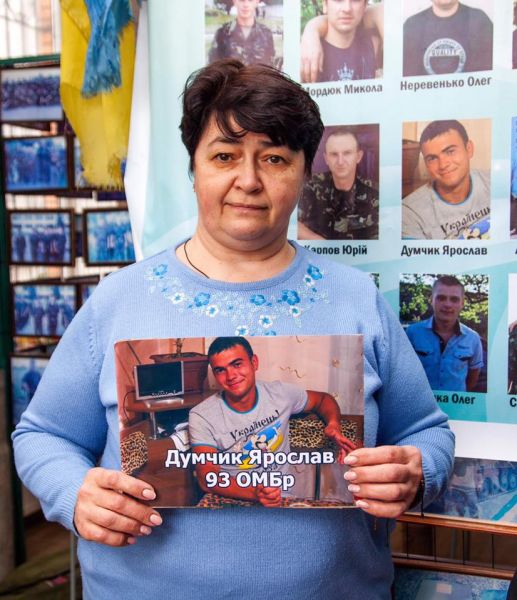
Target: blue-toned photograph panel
x=87 y=291
x=413 y=584
x=41 y=238
x=480 y=489
x=26 y=372
x=109 y=237
x=31 y=95
x=36 y=164
x=43 y=310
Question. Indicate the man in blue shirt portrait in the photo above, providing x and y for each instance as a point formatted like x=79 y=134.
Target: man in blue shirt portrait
x=450 y=352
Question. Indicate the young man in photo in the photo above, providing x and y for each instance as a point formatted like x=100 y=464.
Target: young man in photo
x=345 y=43
x=455 y=203
x=244 y=38
x=447 y=37
x=337 y=204
x=250 y=415
x=450 y=352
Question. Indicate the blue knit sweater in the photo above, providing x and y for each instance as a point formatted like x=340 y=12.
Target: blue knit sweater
x=72 y=425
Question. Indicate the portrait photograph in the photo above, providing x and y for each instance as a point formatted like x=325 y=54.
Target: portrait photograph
x=513 y=185
x=340 y=201
x=107 y=237
x=447 y=37
x=341 y=42
x=512 y=334
x=41 y=237
x=35 y=164
x=446 y=320
x=446 y=179
x=480 y=489
x=43 y=309
x=30 y=94
x=514 y=36
x=251 y=31
x=276 y=415
x=26 y=372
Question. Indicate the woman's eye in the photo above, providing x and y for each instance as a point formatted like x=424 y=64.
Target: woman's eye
x=275 y=159
x=223 y=157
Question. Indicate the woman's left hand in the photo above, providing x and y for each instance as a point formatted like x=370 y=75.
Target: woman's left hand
x=384 y=480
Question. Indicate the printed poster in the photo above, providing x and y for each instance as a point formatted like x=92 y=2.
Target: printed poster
x=262 y=421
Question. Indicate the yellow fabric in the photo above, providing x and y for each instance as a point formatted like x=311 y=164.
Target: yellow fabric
x=101 y=123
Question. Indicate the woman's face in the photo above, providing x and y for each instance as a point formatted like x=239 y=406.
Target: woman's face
x=246 y=188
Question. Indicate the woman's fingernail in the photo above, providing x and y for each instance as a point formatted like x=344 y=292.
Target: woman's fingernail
x=144 y=530
x=350 y=475
x=131 y=540
x=350 y=459
x=361 y=504
x=148 y=494
x=354 y=488
x=155 y=519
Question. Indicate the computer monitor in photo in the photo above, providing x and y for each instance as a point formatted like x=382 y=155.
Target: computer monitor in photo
x=159 y=380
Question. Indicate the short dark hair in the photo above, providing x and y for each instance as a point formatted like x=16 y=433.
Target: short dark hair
x=436 y=128
x=257 y=98
x=221 y=344
x=447 y=280
x=343 y=131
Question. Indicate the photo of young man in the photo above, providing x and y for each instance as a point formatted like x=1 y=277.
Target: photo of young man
x=248 y=415
x=450 y=351
x=454 y=203
x=447 y=37
x=343 y=42
x=244 y=36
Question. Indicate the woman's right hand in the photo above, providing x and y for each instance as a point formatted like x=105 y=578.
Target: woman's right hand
x=110 y=508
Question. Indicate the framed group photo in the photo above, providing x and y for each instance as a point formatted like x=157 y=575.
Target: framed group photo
x=107 y=237
x=43 y=309
x=41 y=237
x=36 y=164
x=30 y=94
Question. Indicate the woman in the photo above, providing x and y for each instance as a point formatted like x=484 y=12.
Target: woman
x=251 y=135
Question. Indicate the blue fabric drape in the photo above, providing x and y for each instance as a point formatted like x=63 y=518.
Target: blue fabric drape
x=102 y=69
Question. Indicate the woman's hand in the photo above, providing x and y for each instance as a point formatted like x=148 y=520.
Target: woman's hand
x=384 y=480
x=110 y=508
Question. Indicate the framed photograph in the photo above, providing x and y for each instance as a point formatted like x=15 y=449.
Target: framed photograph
x=26 y=372
x=36 y=164
x=351 y=49
x=107 y=237
x=174 y=399
x=41 y=237
x=30 y=94
x=252 y=32
x=340 y=201
x=442 y=202
x=43 y=309
x=457 y=307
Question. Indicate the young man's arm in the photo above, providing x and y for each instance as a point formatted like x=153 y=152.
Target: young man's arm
x=227 y=485
x=325 y=406
x=472 y=379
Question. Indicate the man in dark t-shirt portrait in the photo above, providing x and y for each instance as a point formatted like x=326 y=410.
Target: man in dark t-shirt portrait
x=349 y=50
x=447 y=37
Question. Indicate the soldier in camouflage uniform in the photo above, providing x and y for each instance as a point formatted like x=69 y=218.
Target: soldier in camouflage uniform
x=337 y=205
x=244 y=39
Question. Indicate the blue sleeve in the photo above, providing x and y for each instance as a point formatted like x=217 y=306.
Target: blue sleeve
x=476 y=362
x=63 y=432
x=408 y=412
